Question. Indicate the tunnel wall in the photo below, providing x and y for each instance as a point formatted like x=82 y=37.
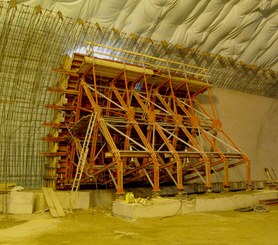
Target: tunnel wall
x=252 y=123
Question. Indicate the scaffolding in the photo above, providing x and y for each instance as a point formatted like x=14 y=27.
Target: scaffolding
x=134 y=122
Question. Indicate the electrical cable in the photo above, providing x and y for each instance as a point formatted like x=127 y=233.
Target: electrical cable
x=183 y=199
x=261 y=208
x=245 y=209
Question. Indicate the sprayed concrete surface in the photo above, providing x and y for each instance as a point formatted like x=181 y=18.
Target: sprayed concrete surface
x=99 y=226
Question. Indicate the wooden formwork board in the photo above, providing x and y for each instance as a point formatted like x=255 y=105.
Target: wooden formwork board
x=53 y=203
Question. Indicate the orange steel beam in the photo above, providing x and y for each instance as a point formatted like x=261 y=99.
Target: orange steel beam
x=138 y=79
x=126 y=89
x=147 y=90
x=194 y=142
x=221 y=169
x=202 y=90
x=151 y=117
x=79 y=102
x=175 y=155
x=173 y=96
x=162 y=84
x=130 y=115
x=247 y=160
x=196 y=102
x=191 y=111
x=180 y=86
x=95 y=83
x=108 y=138
x=127 y=142
x=222 y=156
x=93 y=149
x=208 y=182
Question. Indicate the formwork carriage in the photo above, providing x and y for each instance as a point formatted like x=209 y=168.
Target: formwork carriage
x=122 y=121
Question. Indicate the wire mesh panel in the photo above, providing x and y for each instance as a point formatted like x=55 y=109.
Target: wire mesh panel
x=32 y=42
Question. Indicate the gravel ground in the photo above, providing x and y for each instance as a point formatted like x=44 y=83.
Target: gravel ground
x=98 y=226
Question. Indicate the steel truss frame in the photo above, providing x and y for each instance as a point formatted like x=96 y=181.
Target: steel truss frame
x=148 y=126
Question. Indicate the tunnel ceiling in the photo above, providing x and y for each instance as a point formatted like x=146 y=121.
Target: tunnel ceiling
x=243 y=30
x=236 y=40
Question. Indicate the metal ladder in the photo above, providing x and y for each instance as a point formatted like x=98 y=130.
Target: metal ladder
x=83 y=154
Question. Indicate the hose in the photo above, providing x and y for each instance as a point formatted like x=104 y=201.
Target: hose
x=261 y=208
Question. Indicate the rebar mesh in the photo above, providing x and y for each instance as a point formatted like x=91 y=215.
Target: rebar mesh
x=32 y=41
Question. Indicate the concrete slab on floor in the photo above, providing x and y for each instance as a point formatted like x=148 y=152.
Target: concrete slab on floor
x=163 y=207
x=27 y=202
x=21 y=202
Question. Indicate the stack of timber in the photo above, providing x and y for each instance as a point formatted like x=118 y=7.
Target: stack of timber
x=53 y=203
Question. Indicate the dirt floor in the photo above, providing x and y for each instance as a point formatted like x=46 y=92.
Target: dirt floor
x=99 y=226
